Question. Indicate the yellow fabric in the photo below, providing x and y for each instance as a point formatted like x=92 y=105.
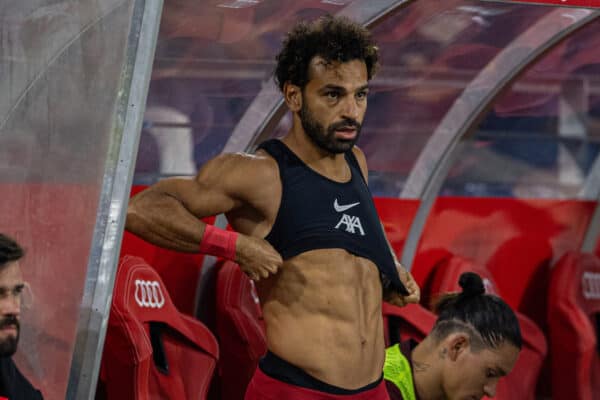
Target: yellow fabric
x=397 y=370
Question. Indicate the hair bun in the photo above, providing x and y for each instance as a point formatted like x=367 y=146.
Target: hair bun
x=471 y=284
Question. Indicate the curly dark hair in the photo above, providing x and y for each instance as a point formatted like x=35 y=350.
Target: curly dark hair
x=333 y=39
x=9 y=250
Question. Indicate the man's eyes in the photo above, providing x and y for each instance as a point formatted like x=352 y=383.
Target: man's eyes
x=16 y=291
x=333 y=95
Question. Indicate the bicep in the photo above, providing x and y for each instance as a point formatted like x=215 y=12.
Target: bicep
x=200 y=198
x=210 y=193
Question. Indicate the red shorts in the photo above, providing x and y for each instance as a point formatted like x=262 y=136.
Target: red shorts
x=263 y=387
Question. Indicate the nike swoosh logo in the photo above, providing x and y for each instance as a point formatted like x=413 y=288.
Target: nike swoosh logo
x=345 y=207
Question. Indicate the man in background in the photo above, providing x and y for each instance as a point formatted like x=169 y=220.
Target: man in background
x=13 y=385
x=474 y=343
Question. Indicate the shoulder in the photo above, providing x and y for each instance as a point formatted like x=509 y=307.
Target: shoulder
x=362 y=161
x=21 y=387
x=233 y=162
x=239 y=171
x=260 y=165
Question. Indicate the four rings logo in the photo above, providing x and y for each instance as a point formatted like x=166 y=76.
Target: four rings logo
x=149 y=294
x=591 y=285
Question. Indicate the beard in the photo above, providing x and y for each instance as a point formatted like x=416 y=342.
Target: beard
x=325 y=138
x=8 y=346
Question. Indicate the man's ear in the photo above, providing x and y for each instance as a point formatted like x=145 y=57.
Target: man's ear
x=293 y=96
x=456 y=344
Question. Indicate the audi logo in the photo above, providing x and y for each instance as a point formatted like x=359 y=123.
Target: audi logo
x=591 y=285
x=149 y=294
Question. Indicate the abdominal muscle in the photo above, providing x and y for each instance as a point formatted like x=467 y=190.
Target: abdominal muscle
x=323 y=315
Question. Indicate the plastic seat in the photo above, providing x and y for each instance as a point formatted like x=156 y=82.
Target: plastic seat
x=152 y=351
x=240 y=330
x=404 y=323
x=529 y=260
x=180 y=272
x=523 y=378
x=425 y=262
x=574 y=327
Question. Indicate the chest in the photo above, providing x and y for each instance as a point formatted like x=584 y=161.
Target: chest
x=309 y=200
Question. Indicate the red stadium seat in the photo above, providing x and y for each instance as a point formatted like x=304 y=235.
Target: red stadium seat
x=425 y=262
x=574 y=326
x=152 y=351
x=525 y=374
x=182 y=281
x=240 y=330
x=403 y=323
x=529 y=259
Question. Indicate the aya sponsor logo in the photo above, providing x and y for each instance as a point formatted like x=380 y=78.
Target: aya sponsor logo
x=349 y=223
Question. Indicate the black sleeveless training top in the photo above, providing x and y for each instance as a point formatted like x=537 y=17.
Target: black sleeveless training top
x=319 y=213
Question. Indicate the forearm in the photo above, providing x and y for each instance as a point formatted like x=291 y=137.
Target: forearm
x=162 y=220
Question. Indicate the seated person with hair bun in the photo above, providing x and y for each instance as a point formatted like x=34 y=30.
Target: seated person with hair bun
x=475 y=341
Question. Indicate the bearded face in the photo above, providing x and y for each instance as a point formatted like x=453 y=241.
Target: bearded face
x=326 y=138
x=11 y=291
x=9 y=335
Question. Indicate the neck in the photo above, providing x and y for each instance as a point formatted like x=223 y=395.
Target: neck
x=309 y=152
x=426 y=371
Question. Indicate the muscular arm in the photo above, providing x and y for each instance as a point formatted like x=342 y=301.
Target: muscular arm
x=167 y=213
x=159 y=216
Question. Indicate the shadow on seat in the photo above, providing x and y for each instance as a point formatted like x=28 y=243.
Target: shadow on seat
x=574 y=327
x=152 y=351
x=412 y=321
x=525 y=374
x=240 y=330
x=530 y=261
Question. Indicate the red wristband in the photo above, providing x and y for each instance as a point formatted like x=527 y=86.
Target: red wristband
x=218 y=242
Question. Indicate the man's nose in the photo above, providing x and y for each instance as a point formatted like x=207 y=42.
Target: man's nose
x=351 y=108
x=11 y=305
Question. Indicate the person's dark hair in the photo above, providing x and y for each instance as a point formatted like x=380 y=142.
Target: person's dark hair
x=9 y=250
x=484 y=315
x=333 y=39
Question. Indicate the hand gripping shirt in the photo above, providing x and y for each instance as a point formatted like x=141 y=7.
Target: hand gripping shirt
x=319 y=213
